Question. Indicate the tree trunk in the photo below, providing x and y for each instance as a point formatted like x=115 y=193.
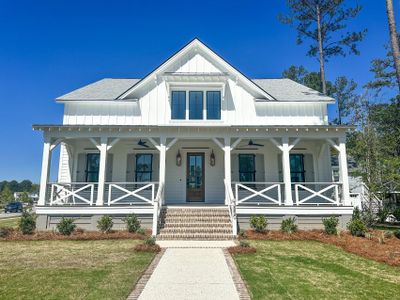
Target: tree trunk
x=394 y=39
x=321 y=51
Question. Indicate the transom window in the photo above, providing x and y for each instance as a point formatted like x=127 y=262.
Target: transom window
x=297 y=172
x=144 y=167
x=247 y=168
x=92 y=167
x=196 y=105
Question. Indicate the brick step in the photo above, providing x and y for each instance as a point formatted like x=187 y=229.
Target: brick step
x=208 y=215
x=193 y=219
x=196 y=230
x=196 y=224
x=195 y=236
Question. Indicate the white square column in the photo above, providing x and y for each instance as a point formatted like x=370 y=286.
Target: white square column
x=285 y=148
x=343 y=172
x=227 y=165
x=44 y=177
x=163 y=153
x=102 y=171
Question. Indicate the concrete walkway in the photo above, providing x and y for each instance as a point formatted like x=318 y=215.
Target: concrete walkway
x=191 y=273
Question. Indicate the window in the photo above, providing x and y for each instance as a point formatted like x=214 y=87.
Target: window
x=178 y=105
x=297 y=172
x=213 y=105
x=195 y=105
x=144 y=167
x=247 y=168
x=92 y=167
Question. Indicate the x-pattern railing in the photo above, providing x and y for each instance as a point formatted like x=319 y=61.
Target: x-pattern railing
x=134 y=192
x=332 y=188
x=270 y=187
x=63 y=193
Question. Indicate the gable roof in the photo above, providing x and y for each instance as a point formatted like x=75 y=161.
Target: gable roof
x=104 y=89
x=288 y=90
x=197 y=44
x=111 y=88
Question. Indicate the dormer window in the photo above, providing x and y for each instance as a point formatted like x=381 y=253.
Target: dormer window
x=194 y=104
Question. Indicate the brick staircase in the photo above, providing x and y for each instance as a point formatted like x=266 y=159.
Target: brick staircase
x=195 y=223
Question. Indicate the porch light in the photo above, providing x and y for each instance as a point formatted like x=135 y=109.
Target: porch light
x=212 y=158
x=178 y=159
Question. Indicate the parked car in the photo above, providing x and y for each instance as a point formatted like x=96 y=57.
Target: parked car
x=13 y=207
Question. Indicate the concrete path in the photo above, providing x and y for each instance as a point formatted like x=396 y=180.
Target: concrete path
x=195 y=244
x=191 y=273
x=4 y=215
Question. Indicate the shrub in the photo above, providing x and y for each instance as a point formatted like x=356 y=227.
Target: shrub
x=27 y=223
x=66 y=226
x=397 y=233
x=388 y=234
x=289 y=225
x=244 y=244
x=132 y=223
x=150 y=241
x=258 y=223
x=5 y=231
x=242 y=234
x=330 y=225
x=141 y=231
x=382 y=214
x=396 y=213
x=105 y=223
x=357 y=227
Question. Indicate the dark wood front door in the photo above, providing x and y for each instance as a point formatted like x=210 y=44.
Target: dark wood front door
x=195 y=177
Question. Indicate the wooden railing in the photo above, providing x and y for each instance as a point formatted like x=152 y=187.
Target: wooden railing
x=71 y=193
x=158 y=202
x=258 y=193
x=231 y=201
x=130 y=193
x=317 y=193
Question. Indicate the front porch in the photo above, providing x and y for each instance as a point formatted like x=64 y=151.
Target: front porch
x=118 y=171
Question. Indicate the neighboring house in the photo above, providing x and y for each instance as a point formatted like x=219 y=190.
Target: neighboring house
x=195 y=132
x=33 y=197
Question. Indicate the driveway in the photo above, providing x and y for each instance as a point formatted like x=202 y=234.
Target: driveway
x=3 y=215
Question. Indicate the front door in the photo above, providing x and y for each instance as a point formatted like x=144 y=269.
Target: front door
x=195 y=177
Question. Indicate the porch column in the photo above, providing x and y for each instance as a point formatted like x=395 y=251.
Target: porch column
x=227 y=165
x=102 y=170
x=286 y=171
x=343 y=172
x=163 y=152
x=44 y=177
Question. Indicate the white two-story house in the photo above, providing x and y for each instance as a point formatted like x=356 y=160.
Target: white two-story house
x=195 y=133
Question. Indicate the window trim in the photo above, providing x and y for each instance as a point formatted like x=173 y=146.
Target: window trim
x=142 y=172
x=194 y=88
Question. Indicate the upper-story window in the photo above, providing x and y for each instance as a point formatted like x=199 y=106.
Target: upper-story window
x=196 y=105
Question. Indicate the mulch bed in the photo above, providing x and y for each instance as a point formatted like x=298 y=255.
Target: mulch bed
x=78 y=235
x=242 y=250
x=387 y=251
x=147 y=248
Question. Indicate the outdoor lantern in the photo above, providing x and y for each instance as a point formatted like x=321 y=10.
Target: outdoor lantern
x=212 y=158
x=178 y=159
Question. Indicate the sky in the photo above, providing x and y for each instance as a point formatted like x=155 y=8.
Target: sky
x=48 y=48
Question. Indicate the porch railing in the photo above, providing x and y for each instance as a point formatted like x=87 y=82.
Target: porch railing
x=72 y=193
x=130 y=193
x=317 y=193
x=158 y=202
x=230 y=199
x=258 y=193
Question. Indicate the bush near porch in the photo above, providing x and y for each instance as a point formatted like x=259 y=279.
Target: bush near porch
x=313 y=270
x=70 y=269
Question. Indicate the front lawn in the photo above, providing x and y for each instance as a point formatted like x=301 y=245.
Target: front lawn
x=312 y=270
x=9 y=222
x=106 y=269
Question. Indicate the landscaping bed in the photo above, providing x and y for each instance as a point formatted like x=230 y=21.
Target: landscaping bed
x=77 y=235
x=377 y=247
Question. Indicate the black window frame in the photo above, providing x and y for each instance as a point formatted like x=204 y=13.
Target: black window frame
x=87 y=172
x=294 y=174
x=208 y=105
x=253 y=172
x=202 y=106
x=144 y=172
x=174 y=105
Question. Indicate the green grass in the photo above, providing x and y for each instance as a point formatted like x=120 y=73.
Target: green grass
x=312 y=270
x=70 y=269
x=9 y=222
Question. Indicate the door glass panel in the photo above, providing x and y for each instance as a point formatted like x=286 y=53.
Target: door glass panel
x=92 y=167
x=195 y=176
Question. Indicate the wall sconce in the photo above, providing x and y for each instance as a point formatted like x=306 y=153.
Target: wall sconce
x=212 y=158
x=178 y=159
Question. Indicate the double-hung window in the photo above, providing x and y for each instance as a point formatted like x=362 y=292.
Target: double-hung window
x=247 y=168
x=144 y=167
x=92 y=167
x=297 y=172
x=195 y=105
x=213 y=105
x=178 y=105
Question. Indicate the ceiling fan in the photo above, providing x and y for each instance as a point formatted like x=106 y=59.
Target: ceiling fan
x=251 y=143
x=143 y=143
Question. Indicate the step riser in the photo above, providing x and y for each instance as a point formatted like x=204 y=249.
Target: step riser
x=196 y=225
